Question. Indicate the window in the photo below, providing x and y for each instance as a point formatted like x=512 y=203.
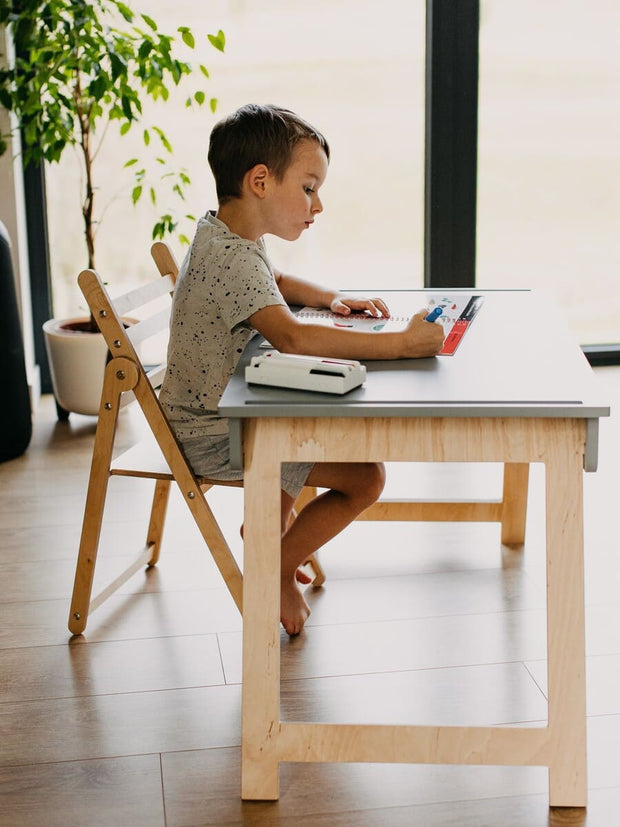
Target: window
x=548 y=161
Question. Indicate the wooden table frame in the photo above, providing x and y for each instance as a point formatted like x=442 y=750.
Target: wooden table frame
x=559 y=443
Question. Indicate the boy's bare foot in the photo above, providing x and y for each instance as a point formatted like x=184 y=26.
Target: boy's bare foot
x=294 y=611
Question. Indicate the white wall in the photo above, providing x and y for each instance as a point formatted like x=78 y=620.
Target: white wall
x=12 y=214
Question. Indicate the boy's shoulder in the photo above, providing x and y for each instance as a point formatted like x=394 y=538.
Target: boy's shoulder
x=215 y=242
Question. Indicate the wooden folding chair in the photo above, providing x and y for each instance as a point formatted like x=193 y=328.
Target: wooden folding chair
x=158 y=457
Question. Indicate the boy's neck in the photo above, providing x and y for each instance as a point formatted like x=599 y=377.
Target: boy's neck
x=240 y=220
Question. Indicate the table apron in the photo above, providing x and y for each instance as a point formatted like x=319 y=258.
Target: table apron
x=340 y=439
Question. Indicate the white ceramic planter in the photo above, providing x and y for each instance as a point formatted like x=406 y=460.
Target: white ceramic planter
x=77 y=362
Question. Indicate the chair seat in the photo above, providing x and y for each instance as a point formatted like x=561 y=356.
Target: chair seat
x=145 y=459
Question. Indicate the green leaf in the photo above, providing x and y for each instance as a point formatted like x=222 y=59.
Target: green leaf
x=125 y=11
x=146 y=137
x=125 y=128
x=97 y=87
x=187 y=36
x=145 y=49
x=166 y=143
x=199 y=97
x=131 y=162
x=153 y=196
x=184 y=239
x=5 y=99
x=95 y=112
x=126 y=107
x=135 y=194
x=218 y=41
x=150 y=22
x=213 y=104
x=204 y=70
x=118 y=66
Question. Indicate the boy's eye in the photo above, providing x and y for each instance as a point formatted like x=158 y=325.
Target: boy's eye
x=309 y=190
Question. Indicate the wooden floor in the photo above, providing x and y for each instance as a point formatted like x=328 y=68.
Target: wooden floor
x=137 y=722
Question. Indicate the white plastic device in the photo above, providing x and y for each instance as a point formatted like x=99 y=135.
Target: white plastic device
x=308 y=373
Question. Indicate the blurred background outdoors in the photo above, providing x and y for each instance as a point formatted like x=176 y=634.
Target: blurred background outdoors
x=548 y=159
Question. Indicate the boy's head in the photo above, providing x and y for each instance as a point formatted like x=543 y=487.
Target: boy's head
x=254 y=135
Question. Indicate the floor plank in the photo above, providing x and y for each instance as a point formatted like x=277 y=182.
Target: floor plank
x=424 y=643
x=147 y=665
x=98 y=793
x=72 y=729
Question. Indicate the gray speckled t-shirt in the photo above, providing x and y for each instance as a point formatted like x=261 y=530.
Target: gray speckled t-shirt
x=223 y=280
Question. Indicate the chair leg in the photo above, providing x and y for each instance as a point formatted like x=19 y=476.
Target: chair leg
x=87 y=557
x=319 y=573
x=95 y=500
x=89 y=544
x=158 y=517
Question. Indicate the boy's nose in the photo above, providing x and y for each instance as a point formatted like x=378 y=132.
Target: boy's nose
x=317 y=205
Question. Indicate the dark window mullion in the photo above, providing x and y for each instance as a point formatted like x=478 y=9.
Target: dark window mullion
x=38 y=257
x=451 y=142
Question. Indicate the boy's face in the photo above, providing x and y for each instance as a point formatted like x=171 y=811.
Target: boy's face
x=292 y=203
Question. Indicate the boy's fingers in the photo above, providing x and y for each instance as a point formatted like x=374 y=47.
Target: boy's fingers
x=376 y=307
x=370 y=306
x=382 y=306
x=340 y=307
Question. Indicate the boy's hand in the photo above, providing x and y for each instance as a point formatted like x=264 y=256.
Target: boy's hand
x=423 y=338
x=343 y=305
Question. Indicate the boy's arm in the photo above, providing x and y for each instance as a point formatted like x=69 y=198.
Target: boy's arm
x=306 y=293
x=288 y=335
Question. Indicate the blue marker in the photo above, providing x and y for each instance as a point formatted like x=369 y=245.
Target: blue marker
x=434 y=314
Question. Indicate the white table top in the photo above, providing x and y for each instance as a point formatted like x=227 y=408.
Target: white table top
x=517 y=359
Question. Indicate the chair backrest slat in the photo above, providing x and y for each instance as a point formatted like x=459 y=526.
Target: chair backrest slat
x=148 y=327
x=108 y=312
x=156 y=375
x=143 y=295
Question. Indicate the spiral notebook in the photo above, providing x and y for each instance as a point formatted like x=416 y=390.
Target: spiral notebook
x=458 y=311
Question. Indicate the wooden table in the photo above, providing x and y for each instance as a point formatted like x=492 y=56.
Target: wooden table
x=518 y=390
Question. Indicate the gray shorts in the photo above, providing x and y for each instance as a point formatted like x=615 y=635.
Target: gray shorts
x=210 y=457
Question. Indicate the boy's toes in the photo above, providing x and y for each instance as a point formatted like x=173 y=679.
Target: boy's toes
x=294 y=611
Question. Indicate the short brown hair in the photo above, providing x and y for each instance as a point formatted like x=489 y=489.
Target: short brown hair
x=255 y=134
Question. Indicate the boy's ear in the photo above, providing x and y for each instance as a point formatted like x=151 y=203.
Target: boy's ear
x=257 y=179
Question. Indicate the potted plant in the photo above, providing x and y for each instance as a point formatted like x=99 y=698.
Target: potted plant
x=82 y=68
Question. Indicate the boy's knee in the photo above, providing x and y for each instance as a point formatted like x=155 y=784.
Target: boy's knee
x=375 y=480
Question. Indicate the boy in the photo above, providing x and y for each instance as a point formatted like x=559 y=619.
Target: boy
x=268 y=166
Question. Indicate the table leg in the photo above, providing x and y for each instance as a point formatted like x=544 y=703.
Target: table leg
x=261 y=618
x=514 y=502
x=566 y=625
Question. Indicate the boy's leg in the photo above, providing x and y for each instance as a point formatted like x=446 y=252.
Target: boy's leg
x=352 y=487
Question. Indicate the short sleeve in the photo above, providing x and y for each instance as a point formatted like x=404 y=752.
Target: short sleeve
x=246 y=283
